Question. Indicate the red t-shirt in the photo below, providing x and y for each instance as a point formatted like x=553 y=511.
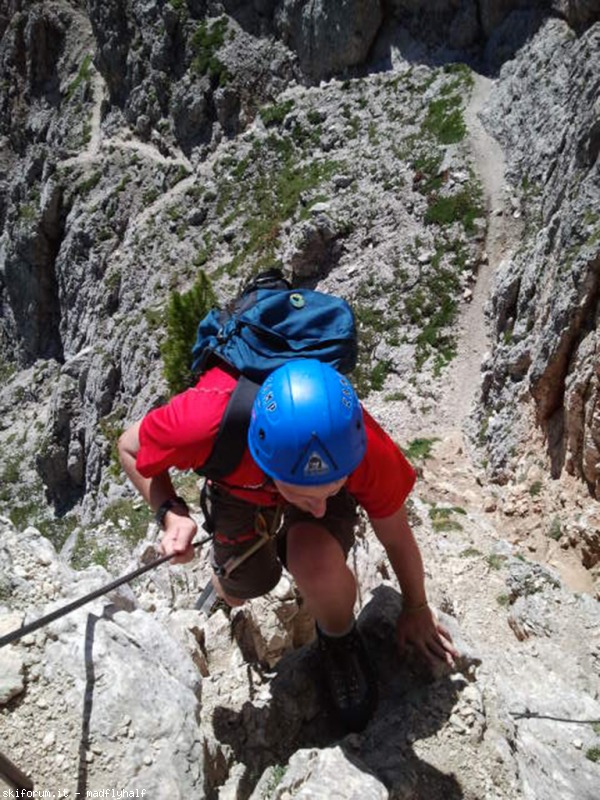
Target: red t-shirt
x=181 y=434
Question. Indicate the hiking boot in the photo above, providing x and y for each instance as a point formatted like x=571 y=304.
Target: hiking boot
x=349 y=678
x=208 y=602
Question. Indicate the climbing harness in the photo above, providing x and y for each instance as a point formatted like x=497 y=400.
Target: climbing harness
x=265 y=534
x=208 y=598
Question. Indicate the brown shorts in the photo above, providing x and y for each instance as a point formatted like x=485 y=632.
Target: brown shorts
x=236 y=523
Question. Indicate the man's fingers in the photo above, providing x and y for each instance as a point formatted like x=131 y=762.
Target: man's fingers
x=447 y=641
x=436 y=648
x=444 y=632
x=183 y=558
x=178 y=546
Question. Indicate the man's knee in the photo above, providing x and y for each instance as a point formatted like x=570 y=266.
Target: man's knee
x=313 y=553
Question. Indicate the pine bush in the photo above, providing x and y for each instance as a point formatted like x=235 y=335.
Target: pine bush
x=184 y=311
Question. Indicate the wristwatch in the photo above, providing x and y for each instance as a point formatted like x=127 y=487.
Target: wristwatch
x=162 y=510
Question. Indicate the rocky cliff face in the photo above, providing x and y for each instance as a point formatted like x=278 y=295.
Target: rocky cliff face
x=545 y=307
x=142 y=142
x=138 y=690
x=87 y=174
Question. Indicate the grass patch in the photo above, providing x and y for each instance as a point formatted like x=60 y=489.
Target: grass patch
x=83 y=76
x=90 y=182
x=496 y=561
x=433 y=307
x=275 y=778
x=275 y=114
x=464 y=206
x=503 y=600
x=80 y=556
x=379 y=373
x=111 y=427
x=57 y=530
x=419 y=449
x=441 y=518
x=269 y=198
x=427 y=166
x=187 y=486
x=101 y=556
x=470 y=552
x=394 y=397
x=131 y=519
x=445 y=121
x=535 y=488
x=27 y=212
x=84 y=556
x=24 y=515
x=12 y=471
x=593 y=754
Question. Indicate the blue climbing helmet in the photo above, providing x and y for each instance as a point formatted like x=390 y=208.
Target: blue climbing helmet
x=307 y=425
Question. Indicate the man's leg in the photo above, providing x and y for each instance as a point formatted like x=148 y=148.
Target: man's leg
x=232 y=602
x=318 y=565
x=317 y=562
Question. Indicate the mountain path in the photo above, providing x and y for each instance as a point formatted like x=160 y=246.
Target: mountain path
x=449 y=475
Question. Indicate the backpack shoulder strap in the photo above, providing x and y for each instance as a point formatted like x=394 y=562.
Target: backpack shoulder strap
x=232 y=436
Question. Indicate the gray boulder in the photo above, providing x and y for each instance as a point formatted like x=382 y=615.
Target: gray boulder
x=329 y=37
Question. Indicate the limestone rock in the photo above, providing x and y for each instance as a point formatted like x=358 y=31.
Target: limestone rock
x=329 y=37
x=547 y=348
x=12 y=680
x=328 y=772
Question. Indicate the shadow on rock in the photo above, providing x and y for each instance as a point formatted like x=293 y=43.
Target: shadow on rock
x=269 y=729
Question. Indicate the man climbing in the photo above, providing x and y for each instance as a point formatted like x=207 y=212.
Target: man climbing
x=313 y=454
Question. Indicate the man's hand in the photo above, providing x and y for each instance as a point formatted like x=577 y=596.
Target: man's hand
x=421 y=629
x=180 y=530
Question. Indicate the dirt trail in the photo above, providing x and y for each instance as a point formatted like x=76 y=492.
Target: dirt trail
x=449 y=475
x=473 y=340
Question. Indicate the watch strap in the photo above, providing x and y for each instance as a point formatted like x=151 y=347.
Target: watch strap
x=164 y=508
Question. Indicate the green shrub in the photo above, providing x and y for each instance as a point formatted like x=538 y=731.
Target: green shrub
x=555 y=531
x=418 y=449
x=82 y=76
x=593 y=754
x=206 y=41
x=183 y=314
x=463 y=207
x=275 y=114
x=379 y=374
x=90 y=182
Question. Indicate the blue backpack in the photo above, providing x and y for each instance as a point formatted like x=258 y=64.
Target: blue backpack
x=268 y=324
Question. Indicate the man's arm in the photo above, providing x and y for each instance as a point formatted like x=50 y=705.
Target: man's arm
x=417 y=624
x=179 y=527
